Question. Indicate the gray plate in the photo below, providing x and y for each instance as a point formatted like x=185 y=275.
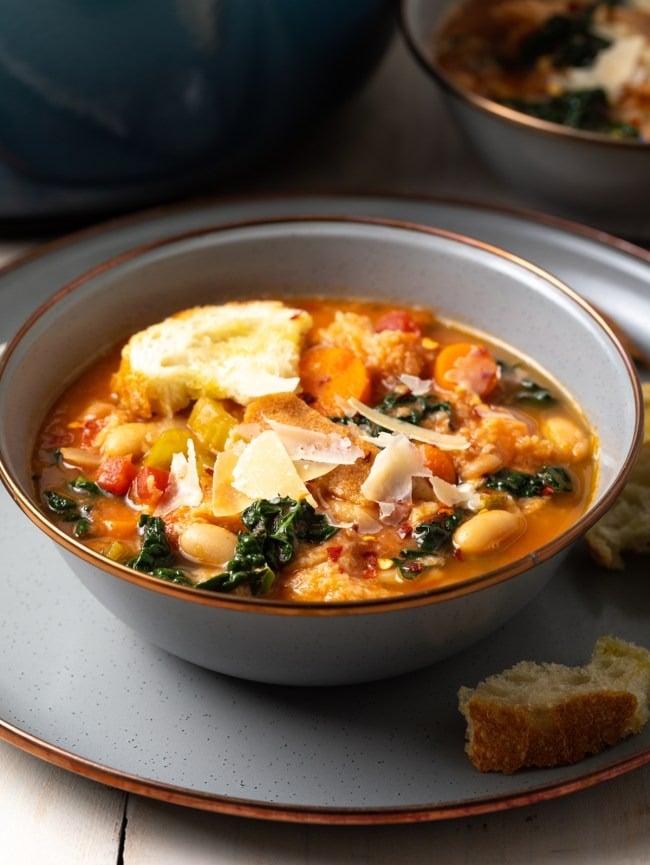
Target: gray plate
x=79 y=689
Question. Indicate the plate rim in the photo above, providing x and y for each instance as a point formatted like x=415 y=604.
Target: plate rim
x=305 y=814
x=162 y=211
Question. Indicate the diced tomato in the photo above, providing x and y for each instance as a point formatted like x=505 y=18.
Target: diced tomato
x=334 y=553
x=148 y=485
x=398 y=319
x=116 y=474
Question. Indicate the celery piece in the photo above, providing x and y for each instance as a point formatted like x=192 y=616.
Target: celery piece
x=171 y=441
x=211 y=423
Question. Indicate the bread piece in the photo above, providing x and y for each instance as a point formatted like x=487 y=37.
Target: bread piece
x=234 y=351
x=549 y=714
x=626 y=525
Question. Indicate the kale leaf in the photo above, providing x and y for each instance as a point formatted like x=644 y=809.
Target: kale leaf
x=431 y=537
x=548 y=480
x=82 y=485
x=519 y=388
x=273 y=529
x=568 y=40
x=72 y=510
x=411 y=408
x=587 y=109
x=530 y=391
x=399 y=404
x=155 y=552
x=156 y=557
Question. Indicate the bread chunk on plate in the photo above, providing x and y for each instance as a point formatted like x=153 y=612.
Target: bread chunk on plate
x=548 y=714
x=626 y=525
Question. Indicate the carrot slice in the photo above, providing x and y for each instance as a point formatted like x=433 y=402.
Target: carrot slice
x=330 y=375
x=466 y=364
x=440 y=463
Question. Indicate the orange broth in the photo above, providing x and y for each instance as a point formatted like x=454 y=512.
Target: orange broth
x=365 y=555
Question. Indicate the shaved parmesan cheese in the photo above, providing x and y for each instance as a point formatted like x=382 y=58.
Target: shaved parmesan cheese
x=452 y=495
x=390 y=479
x=613 y=68
x=362 y=521
x=384 y=438
x=417 y=386
x=246 y=431
x=265 y=470
x=444 y=441
x=381 y=440
x=310 y=470
x=252 y=383
x=184 y=487
x=306 y=444
x=276 y=461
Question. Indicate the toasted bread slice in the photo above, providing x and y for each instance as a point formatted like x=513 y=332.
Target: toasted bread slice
x=549 y=714
x=239 y=351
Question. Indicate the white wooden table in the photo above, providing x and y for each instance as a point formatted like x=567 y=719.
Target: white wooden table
x=392 y=137
x=49 y=816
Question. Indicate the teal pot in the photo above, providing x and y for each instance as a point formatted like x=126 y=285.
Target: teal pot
x=108 y=91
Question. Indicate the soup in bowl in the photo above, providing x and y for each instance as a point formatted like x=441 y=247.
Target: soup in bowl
x=316 y=451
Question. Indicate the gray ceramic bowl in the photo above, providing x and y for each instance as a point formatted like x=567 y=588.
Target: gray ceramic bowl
x=462 y=279
x=582 y=175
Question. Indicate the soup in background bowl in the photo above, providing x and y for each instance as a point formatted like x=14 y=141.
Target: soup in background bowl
x=572 y=139
x=584 y=65
x=419 y=287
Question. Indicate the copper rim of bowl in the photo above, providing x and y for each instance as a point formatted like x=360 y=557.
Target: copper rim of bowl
x=324 y=608
x=495 y=109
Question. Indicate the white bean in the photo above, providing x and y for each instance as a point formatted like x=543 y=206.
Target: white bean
x=126 y=438
x=207 y=544
x=488 y=531
x=483 y=464
x=569 y=440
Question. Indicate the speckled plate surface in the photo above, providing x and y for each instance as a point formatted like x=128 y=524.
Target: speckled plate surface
x=79 y=689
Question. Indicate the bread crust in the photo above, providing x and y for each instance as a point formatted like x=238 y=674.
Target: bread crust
x=544 y=715
x=507 y=738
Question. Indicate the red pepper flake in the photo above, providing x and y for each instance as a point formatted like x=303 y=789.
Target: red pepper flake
x=371 y=565
x=334 y=553
x=404 y=531
x=415 y=568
